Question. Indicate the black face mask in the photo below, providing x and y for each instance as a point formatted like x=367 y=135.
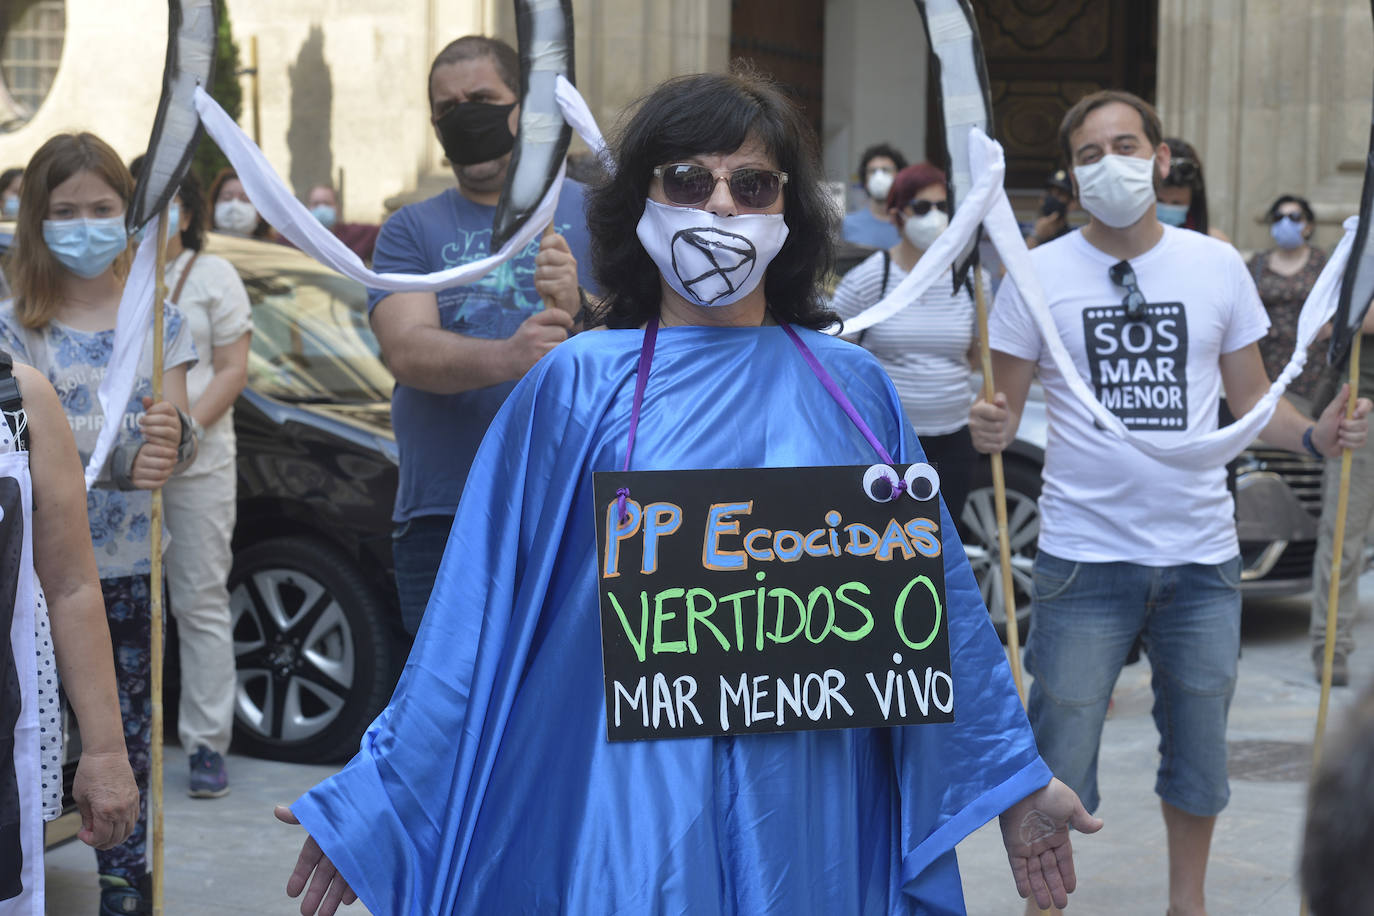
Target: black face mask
x=473 y=132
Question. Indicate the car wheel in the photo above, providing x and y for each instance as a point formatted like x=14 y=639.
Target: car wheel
x=312 y=649
x=978 y=525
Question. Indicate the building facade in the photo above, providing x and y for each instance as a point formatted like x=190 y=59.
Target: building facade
x=1275 y=96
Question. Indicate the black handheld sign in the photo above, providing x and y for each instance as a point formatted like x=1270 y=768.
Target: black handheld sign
x=754 y=600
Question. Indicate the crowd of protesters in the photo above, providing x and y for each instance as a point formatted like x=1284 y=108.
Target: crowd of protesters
x=1123 y=230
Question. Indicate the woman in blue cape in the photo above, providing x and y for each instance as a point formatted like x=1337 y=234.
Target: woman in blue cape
x=487 y=785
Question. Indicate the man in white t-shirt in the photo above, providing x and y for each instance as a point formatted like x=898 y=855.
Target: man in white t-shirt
x=1159 y=321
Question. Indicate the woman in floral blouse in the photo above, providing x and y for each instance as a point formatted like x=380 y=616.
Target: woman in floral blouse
x=67 y=268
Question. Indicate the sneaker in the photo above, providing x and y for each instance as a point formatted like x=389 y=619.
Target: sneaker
x=209 y=779
x=1340 y=670
x=119 y=898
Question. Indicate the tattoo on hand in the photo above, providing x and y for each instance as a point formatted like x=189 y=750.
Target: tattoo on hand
x=1036 y=826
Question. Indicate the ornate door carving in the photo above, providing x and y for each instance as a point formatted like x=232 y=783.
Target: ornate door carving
x=784 y=38
x=1043 y=55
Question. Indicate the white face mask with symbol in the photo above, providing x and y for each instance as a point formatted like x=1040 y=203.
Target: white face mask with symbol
x=710 y=260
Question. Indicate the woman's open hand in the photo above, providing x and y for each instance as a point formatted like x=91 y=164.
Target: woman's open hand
x=328 y=888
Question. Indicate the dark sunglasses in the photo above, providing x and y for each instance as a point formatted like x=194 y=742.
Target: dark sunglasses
x=922 y=207
x=1298 y=217
x=688 y=185
x=1183 y=171
x=1134 y=301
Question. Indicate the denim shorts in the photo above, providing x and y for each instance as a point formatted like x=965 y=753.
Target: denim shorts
x=1085 y=618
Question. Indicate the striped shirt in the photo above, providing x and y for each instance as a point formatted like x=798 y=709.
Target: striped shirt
x=924 y=347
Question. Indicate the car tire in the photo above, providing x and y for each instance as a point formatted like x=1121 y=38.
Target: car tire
x=978 y=527
x=312 y=649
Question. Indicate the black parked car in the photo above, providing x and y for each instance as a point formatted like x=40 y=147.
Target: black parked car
x=312 y=594
x=1278 y=507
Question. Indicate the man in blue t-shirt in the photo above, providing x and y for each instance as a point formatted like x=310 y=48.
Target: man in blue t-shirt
x=871 y=225
x=457 y=354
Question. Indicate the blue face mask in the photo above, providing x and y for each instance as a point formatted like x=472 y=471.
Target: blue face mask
x=173 y=224
x=1171 y=214
x=86 y=247
x=11 y=206
x=173 y=219
x=325 y=214
x=1287 y=233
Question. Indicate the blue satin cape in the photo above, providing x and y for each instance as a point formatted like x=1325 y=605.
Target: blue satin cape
x=487 y=784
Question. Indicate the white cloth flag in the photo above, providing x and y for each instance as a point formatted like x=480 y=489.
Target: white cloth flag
x=289 y=216
x=131 y=332
x=988 y=204
x=280 y=207
x=936 y=264
x=579 y=117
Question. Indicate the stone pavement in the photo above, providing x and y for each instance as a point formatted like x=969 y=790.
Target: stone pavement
x=225 y=856
x=1122 y=869
x=229 y=856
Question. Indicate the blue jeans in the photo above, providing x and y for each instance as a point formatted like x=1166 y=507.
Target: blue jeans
x=417 y=548
x=1085 y=616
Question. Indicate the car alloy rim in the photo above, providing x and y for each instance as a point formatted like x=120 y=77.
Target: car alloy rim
x=293 y=649
x=1023 y=529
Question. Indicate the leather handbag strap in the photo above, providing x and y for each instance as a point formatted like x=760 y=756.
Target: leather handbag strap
x=181 y=281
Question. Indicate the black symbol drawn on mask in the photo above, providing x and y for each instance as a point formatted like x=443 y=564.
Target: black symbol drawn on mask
x=712 y=263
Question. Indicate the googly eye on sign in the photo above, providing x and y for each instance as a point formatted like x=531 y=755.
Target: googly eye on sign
x=922 y=481
x=883 y=484
x=880 y=483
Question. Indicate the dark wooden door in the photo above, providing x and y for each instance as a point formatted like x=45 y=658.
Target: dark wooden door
x=786 y=39
x=1044 y=55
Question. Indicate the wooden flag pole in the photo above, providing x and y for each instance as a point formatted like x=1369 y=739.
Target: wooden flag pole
x=155 y=588
x=999 y=493
x=1333 y=592
x=1337 y=548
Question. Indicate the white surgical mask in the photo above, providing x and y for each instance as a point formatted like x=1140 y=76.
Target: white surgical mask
x=710 y=260
x=237 y=217
x=879 y=183
x=1117 y=190
x=922 y=231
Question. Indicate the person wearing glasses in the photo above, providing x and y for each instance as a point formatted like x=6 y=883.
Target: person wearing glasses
x=1159 y=321
x=489 y=785
x=457 y=354
x=929 y=348
x=1182 y=194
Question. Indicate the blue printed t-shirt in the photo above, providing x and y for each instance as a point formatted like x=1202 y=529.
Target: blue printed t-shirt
x=75 y=362
x=863 y=228
x=438 y=434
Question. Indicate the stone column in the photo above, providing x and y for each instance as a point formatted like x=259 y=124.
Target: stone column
x=626 y=47
x=1276 y=97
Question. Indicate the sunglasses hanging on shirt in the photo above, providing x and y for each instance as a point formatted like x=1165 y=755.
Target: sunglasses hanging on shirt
x=1123 y=275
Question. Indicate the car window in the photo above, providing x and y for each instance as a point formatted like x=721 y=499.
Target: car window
x=311 y=338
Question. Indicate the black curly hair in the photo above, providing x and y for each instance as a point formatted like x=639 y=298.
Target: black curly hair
x=699 y=114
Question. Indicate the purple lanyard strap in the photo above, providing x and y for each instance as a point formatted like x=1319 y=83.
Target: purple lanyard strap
x=646 y=356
